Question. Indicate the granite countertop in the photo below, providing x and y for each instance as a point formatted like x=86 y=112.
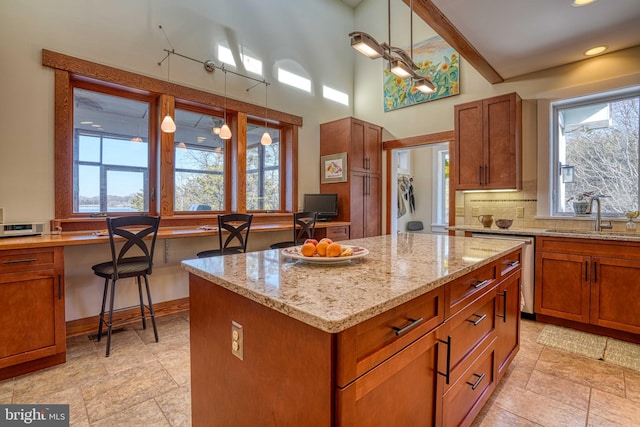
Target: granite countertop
x=335 y=297
x=554 y=232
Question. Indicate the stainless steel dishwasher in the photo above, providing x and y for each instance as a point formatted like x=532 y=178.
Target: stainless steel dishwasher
x=528 y=268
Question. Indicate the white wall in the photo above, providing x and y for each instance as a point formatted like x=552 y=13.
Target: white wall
x=310 y=40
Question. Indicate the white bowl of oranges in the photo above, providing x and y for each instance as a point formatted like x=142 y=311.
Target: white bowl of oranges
x=324 y=251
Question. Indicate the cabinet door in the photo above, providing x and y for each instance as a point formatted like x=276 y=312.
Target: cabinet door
x=402 y=391
x=501 y=143
x=562 y=286
x=32 y=322
x=615 y=294
x=507 y=321
x=358 y=160
x=373 y=144
x=372 y=216
x=469 y=152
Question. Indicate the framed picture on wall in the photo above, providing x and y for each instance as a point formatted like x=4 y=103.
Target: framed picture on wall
x=333 y=168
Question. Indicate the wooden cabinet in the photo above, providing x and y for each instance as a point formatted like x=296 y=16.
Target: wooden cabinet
x=508 y=321
x=592 y=282
x=32 y=323
x=399 y=392
x=413 y=364
x=333 y=232
x=359 y=199
x=488 y=144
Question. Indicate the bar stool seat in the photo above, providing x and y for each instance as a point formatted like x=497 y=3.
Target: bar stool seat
x=133 y=229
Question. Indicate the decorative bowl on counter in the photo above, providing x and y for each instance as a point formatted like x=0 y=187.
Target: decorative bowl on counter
x=504 y=223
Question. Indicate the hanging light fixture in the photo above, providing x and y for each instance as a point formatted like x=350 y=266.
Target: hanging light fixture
x=225 y=132
x=168 y=125
x=366 y=45
x=266 y=138
x=400 y=63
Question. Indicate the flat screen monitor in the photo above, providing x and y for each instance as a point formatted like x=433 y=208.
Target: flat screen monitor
x=325 y=204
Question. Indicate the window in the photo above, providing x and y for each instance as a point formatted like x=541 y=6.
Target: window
x=595 y=150
x=110 y=153
x=199 y=163
x=111 y=157
x=263 y=170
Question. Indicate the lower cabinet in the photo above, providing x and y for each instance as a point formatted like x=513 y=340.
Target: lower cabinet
x=399 y=392
x=508 y=321
x=589 y=281
x=32 y=322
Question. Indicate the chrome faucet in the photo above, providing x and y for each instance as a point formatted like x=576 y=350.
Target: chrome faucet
x=599 y=226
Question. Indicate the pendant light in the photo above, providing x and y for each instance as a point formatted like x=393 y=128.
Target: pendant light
x=225 y=132
x=168 y=125
x=266 y=138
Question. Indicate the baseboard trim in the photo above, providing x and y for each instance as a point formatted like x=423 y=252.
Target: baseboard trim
x=89 y=325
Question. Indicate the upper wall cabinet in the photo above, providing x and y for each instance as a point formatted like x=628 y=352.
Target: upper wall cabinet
x=488 y=144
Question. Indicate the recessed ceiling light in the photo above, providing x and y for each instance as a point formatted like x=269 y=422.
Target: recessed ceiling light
x=578 y=3
x=95 y=126
x=86 y=123
x=595 y=50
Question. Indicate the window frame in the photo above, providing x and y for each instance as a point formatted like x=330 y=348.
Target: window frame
x=70 y=71
x=554 y=154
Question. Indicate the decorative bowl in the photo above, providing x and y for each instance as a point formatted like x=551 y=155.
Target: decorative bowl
x=504 y=223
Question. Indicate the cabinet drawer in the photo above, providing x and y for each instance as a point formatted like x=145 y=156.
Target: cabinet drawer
x=19 y=260
x=338 y=233
x=366 y=345
x=464 y=400
x=510 y=263
x=475 y=282
x=468 y=329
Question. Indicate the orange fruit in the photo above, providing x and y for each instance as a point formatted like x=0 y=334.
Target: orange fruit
x=334 y=249
x=308 y=249
x=321 y=248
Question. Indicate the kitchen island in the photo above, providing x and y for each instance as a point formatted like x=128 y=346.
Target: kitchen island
x=419 y=332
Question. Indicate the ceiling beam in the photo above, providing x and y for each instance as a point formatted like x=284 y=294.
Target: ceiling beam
x=430 y=14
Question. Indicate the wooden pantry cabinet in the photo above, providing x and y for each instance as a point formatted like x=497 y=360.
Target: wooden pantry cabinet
x=591 y=282
x=32 y=322
x=488 y=144
x=360 y=197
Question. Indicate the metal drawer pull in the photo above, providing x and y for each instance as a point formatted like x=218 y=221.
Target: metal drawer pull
x=513 y=264
x=447 y=374
x=480 y=283
x=413 y=323
x=477 y=321
x=16 y=261
x=478 y=381
x=504 y=306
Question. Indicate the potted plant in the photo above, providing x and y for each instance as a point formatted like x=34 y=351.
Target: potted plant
x=581 y=202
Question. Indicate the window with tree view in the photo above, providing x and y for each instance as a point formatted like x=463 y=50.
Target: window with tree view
x=199 y=162
x=596 y=152
x=263 y=170
x=110 y=153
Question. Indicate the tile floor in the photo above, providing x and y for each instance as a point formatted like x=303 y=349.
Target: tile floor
x=147 y=383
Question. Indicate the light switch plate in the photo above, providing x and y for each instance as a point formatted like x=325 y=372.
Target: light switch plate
x=519 y=212
x=459 y=210
x=475 y=211
x=1 y=215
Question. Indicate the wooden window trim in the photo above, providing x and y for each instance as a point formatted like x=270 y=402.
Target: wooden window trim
x=69 y=71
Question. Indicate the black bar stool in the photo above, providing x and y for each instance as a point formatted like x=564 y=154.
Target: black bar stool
x=304 y=225
x=133 y=229
x=238 y=226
